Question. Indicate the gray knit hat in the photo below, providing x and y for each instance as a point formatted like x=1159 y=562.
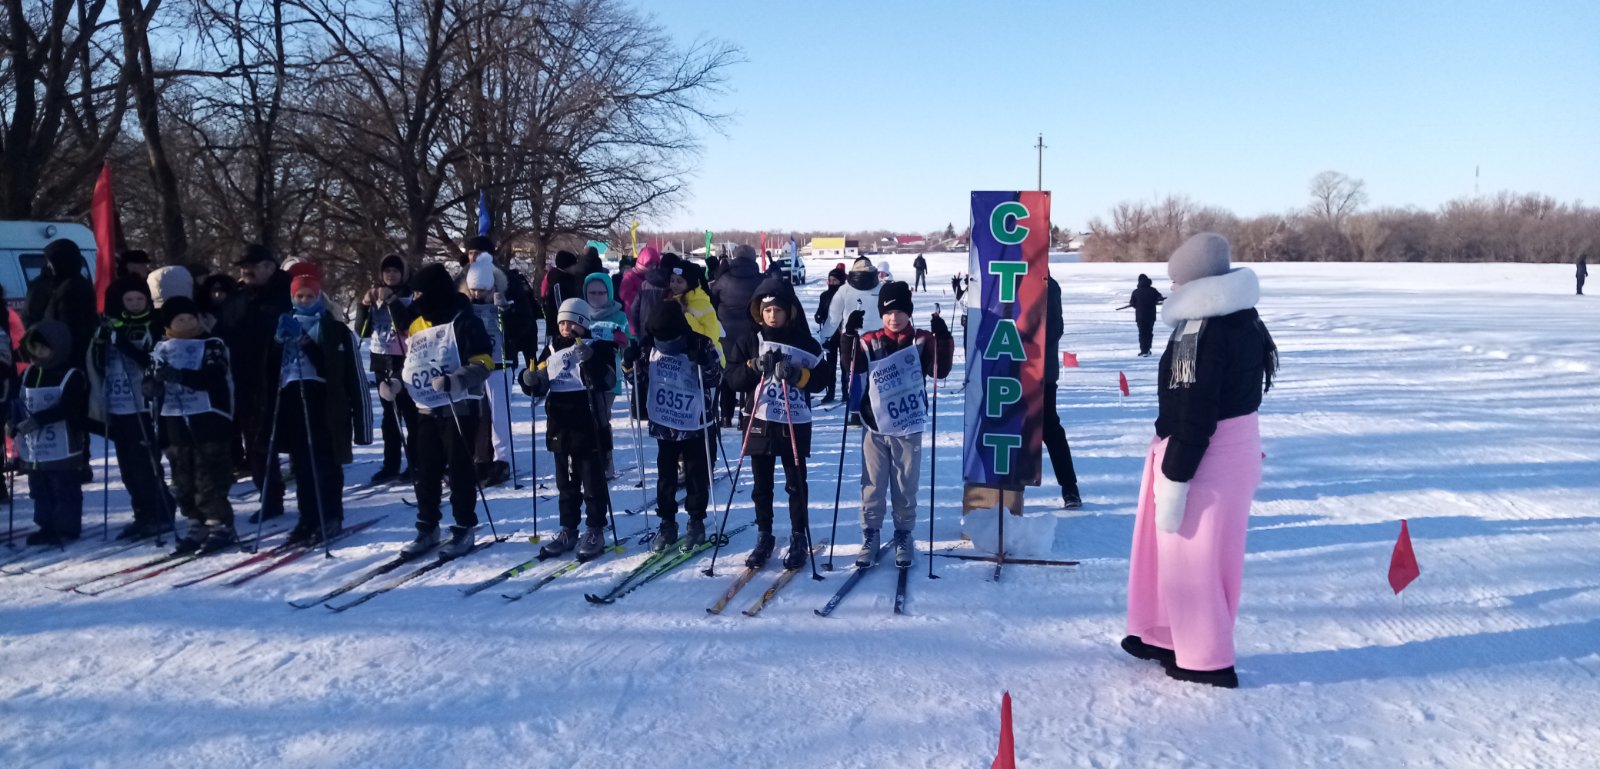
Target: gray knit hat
x=1201 y=256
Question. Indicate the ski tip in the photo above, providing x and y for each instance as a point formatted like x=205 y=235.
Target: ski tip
x=748 y=613
x=595 y=599
x=713 y=611
x=819 y=612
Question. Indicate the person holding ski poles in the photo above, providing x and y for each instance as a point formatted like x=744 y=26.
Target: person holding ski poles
x=492 y=443
x=321 y=407
x=118 y=357
x=894 y=412
x=608 y=322
x=779 y=366
x=383 y=315
x=573 y=374
x=49 y=421
x=679 y=372
x=447 y=362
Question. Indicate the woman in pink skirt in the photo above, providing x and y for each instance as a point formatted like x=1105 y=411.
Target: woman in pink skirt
x=1202 y=468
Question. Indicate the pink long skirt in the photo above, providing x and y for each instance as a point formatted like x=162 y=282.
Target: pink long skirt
x=1183 y=588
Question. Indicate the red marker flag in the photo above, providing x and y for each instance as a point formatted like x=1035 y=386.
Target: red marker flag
x=1403 y=563
x=103 y=214
x=1068 y=360
x=1006 y=758
x=1122 y=382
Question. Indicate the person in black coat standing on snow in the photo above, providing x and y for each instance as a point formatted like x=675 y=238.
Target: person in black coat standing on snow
x=1143 y=300
x=731 y=293
x=921 y=268
x=1583 y=272
x=1055 y=436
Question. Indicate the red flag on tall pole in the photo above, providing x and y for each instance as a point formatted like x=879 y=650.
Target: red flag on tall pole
x=103 y=215
x=1403 y=562
x=1122 y=382
x=1006 y=758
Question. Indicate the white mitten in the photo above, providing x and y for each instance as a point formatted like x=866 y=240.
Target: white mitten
x=389 y=389
x=1171 y=498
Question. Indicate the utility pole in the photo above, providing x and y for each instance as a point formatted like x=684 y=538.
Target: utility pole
x=1041 y=148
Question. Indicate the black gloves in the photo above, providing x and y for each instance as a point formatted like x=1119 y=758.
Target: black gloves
x=852 y=326
x=941 y=330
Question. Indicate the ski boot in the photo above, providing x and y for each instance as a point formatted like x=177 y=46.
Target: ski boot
x=592 y=544
x=385 y=475
x=799 y=548
x=904 y=549
x=695 y=536
x=868 y=557
x=218 y=536
x=191 y=539
x=666 y=536
x=427 y=539
x=496 y=473
x=758 y=557
x=564 y=540
x=1070 y=499
x=462 y=539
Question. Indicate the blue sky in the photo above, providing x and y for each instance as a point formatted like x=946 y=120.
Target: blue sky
x=855 y=115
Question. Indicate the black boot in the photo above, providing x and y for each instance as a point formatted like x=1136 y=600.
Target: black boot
x=666 y=536
x=695 y=535
x=795 y=558
x=759 y=556
x=1225 y=678
x=1137 y=648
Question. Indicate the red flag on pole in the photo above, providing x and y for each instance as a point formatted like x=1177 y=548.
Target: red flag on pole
x=763 y=252
x=1006 y=758
x=1122 y=382
x=103 y=215
x=1068 y=360
x=1403 y=562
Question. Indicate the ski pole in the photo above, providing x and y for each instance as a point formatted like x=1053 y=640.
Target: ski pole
x=462 y=434
x=933 y=450
x=711 y=570
x=155 y=466
x=705 y=438
x=800 y=469
x=533 y=444
x=638 y=441
x=105 y=456
x=594 y=414
x=838 y=478
x=271 y=462
x=311 y=451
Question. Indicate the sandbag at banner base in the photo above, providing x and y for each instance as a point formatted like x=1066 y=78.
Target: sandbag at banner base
x=1027 y=536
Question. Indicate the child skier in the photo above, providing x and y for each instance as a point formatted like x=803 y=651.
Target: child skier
x=49 y=423
x=192 y=384
x=384 y=314
x=573 y=373
x=894 y=411
x=492 y=444
x=119 y=353
x=679 y=372
x=321 y=404
x=447 y=362
x=608 y=322
x=779 y=366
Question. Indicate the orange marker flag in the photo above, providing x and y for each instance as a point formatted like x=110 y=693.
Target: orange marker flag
x=1006 y=758
x=1122 y=382
x=1403 y=562
x=1068 y=360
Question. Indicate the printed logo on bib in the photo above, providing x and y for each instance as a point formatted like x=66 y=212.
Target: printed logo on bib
x=899 y=401
x=120 y=398
x=49 y=442
x=386 y=337
x=770 y=405
x=676 y=401
x=178 y=400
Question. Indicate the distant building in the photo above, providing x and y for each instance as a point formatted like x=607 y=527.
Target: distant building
x=833 y=248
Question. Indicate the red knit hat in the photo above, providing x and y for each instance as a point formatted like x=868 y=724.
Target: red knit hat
x=305 y=275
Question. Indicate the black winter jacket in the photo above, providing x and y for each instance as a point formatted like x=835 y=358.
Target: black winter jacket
x=772 y=438
x=1231 y=364
x=731 y=294
x=578 y=422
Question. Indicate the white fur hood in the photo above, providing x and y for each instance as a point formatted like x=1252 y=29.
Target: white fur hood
x=1235 y=290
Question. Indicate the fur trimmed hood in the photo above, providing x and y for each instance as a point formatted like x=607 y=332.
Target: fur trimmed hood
x=1232 y=291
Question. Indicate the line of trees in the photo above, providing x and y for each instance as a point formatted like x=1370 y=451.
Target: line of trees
x=1505 y=227
x=339 y=130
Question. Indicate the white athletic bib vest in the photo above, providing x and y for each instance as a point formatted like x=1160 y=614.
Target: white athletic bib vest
x=562 y=368
x=48 y=443
x=293 y=365
x=489 y=316
x=433 y=353
x=899 y=400
x=676 y=401
x=770 y=406
x=386 y=337
x=120 y=398
x=178 y=400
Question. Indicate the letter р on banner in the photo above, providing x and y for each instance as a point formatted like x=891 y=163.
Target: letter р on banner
x=1008 y=258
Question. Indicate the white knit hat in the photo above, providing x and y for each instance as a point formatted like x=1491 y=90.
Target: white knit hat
x=575 y=310
x=168 y=282
x=1202 y=256
x=480 y=275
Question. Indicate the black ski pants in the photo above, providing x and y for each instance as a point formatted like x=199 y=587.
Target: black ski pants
x=581 y=482
x=794 y=482
x=696 y=477
x=319 y=479
x=438 y=448
x=133 y=439
x=1055 y=442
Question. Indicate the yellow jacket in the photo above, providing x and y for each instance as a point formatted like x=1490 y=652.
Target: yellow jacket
x=702 y=317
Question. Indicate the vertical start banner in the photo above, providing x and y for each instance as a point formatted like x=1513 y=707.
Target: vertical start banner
x=1008 y=260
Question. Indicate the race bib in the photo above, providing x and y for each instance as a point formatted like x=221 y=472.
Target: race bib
x=899 y=400
x=120 y=398
x=178 y=400
x=430 y=354
x=676 y=400
x=770 y=403
x=386 y=336
x=49 y=442
x=489 y=316
x=562 y=368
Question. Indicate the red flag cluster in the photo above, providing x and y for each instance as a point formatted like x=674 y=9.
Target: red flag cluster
x=1403 y=562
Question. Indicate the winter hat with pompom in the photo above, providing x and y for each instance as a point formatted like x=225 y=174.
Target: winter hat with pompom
x=480 y=275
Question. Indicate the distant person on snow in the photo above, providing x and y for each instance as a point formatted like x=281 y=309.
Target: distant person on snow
x=1201 y=469
x=1583 y=272
x=921 y=266
x=1143 y=300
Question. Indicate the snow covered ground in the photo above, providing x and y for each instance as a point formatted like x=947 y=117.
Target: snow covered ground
x=1460 y=397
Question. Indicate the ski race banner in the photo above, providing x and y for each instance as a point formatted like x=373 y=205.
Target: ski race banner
x=1008 y=261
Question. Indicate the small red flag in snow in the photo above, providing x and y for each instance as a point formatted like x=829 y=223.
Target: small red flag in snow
x=1068 y=360
x=1403 y=563
x=1122 y=382
x=1006 y=758
x=103 y=214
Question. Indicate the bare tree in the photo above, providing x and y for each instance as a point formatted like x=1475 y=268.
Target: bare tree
x=1334 y=197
